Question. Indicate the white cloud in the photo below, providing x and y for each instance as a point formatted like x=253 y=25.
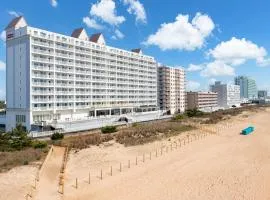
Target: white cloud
x=91 y=23
x=217 y=68
x=13 y=13
x=265 y=62
x=182 y=34
x=2 y=66
x=54 y=3
x=105 y=10
x=193 y=85
x=229 y=54
x=118 y=35
x=237 y=51
x=194 y=68
x=136 y=8
x=212 y=81
x=3 y=36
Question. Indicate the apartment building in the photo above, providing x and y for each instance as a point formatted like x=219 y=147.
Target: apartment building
x=228 y=94
x=262 y=94
x=171 y=86
x=52 y=78
x=201 y=100
x=248 y=87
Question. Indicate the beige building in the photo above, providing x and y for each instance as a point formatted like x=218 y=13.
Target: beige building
x=201 y=100
x=171 y=86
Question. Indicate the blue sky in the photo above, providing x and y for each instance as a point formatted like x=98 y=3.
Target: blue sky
x=213 y=40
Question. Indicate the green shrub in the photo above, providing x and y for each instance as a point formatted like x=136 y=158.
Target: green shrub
x=194 y=113
x=17 y=139
x=178 y=117
x=25 y=162
x=135 y=124
x=39 y=144
x=57 y=136
x=108 y=129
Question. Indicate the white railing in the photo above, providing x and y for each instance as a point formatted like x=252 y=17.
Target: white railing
x=37 y=134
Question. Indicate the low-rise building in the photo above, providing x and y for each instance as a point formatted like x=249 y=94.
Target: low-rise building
x=171 y=86
x=228 y=94
x=201 y=100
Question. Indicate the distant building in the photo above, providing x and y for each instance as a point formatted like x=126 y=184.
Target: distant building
x=228 y=94
x=248 y=87
x=201 y=100
x=171 y=86
x=262 y=94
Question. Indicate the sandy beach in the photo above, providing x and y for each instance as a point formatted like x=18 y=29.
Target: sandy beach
x=17 y=182
x=223 y=166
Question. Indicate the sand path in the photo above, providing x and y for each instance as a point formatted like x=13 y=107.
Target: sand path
x=226 y=166
x=48 y=185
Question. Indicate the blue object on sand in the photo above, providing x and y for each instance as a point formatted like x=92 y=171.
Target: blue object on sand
x=248 y=130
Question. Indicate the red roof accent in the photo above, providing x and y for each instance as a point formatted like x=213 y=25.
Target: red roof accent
x=14 y=22
x=95 y=37
x=77 y=32
x=136 y=50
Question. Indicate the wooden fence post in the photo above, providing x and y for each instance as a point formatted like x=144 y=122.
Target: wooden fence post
x=76 y=183
x=63 y=188
x=89 y=178
x=35 y=187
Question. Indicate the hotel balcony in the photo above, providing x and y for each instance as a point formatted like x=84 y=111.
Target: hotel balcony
x=43 y=60
x=64 y=63
x=42 y=52
x=42 y=44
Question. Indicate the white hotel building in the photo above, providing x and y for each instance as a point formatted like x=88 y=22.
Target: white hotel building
x=52 y=78
x=228 y=95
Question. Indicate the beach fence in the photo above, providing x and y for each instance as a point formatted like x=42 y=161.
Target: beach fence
x=95 y=176
x=202 y=132
x=62 y=171
x=176 y=144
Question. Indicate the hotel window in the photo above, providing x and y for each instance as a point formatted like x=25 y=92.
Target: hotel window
x=20 y=118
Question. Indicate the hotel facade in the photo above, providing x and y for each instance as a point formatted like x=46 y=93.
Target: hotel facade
x=228 y=95
x=171 y=89
x=51 y=78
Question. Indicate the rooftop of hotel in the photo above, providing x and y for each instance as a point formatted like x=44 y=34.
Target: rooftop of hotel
x=79 y=33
